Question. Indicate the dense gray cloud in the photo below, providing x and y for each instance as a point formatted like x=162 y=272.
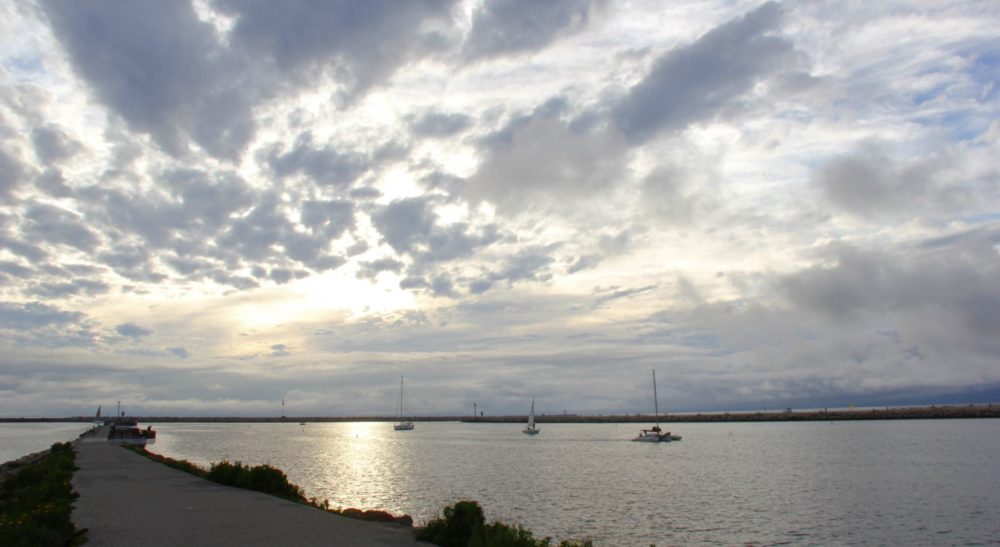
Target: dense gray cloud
x=696 y=82
x=65 y=289
x=57 y=226
x=331 y=217
x=178 y=351
x=11 y=172
x=507 y=27
x=323 y=164
x=161 y=69
x=946 y=294
x=667 y=195
x=207 y=201
x=131 y=330
x=15 y=269
x=359 y=43
x=257 y=234
x=873 y=185
x=133 y=262
x=545 y=164
x=52 y=144
x=529 y=264
x=30 y=315
x=405 y=223
x=52 y=182
x=279 y=350
x=167 y=73
x=410 y=226
x=370 y=270
x=439 y=124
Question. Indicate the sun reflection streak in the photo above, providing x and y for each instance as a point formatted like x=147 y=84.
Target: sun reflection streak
x=359 y=471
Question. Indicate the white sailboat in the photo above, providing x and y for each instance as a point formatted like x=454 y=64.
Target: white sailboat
x=403 y=425
x=655 y=434
x=530 y=429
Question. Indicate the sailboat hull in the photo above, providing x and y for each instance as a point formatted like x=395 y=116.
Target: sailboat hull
x=653 y=438
x=530 y=431
x=408 y=426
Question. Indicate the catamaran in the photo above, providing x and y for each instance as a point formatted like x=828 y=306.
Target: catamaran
x=403 y=425
x=530 y=429
x=655 y=434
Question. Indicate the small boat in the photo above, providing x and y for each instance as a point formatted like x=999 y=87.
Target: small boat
x=530 y=429
x=655 y=434
x=126 y=431
x=403 y=425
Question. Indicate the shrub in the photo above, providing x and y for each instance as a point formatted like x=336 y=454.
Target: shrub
x=262 y=478
x=36 y=502
x=463 y=525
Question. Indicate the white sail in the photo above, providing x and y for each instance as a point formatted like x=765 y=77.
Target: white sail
x=530 y=429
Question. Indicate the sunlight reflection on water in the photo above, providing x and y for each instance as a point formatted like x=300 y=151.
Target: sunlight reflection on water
x=914 y=482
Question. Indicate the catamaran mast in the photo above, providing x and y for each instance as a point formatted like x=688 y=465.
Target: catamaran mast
x=656 y=404
x=400 y=398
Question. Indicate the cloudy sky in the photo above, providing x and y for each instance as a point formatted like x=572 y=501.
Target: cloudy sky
x=208 y=207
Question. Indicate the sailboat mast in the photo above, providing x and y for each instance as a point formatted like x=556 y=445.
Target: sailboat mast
x=656 y=402
x=401 y=398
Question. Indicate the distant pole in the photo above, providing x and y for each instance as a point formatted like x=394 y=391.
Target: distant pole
x=475 y=409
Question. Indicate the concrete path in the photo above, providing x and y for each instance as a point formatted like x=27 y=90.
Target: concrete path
x=126 y=499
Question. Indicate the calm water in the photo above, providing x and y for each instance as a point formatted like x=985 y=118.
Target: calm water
x=18 y=440
x=913 y=482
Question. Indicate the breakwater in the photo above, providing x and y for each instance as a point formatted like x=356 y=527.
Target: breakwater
x=790 y=415
x=915 y=413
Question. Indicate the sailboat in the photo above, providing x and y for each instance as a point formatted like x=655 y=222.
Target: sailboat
x=403 y=425
x=655 y=434
x=530 y=429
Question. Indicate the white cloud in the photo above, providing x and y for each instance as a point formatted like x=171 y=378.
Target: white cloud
x=762 y=200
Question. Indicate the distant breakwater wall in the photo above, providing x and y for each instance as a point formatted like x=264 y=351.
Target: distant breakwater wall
x=890 y=413
x=921 y=413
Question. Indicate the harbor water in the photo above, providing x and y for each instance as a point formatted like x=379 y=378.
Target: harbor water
x=921 y=482
x=21 y=439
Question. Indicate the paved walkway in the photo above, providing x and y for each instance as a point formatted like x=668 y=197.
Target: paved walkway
x=126 y=499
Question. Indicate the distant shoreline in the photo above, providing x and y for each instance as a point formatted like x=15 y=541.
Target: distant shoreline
x=889 y=413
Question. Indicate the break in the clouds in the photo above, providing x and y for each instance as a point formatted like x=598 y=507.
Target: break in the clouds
x=217 y=205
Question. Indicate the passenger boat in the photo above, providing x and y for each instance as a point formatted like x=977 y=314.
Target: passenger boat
x=126 y=431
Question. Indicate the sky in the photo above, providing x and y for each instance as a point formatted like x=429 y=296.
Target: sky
x=211 y=207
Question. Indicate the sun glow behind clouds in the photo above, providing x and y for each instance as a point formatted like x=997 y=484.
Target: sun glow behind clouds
x=334 y=296
x=339 y=290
